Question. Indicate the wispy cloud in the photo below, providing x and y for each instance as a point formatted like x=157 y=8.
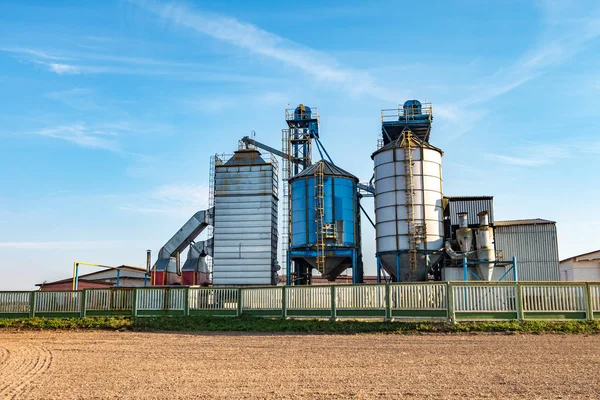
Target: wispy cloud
x=84 y=136
x=178 y=200
x=559 y=43
x=538 y=154
x=317 y=64
x=21 y=51
x=63 y=245
x=80 y=63
x=77 y=98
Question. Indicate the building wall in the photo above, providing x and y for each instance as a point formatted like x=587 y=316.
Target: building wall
x=472 y=206
x=580 y=270
x=69 y=286
x=536 y=248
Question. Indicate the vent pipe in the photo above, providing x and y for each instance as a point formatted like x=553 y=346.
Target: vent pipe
x=148 y=261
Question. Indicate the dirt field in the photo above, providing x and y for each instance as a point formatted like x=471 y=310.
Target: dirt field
x=116 y=365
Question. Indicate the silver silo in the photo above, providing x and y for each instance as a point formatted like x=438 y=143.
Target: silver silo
x=408 y=207
x=245 y=221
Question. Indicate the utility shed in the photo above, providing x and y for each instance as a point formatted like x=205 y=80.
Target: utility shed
x=122 y=276
x=535 y=245
x=584 y=267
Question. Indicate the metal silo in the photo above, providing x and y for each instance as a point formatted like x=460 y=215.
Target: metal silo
x=245 y=219
x=325 y=223
x=408 y=204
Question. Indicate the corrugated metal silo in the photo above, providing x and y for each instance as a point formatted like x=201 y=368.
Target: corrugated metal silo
x=245 y=221
x=408 y=207
x=340 y=225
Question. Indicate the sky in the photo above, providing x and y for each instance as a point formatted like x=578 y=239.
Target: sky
x=111 y=110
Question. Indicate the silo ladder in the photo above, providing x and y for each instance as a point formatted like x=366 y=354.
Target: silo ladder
x=321 y=229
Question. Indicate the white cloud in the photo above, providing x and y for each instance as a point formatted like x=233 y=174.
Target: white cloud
x=78 y=98
x=175 y=199
x=63 y=68
x=63 y=245
x=317 y=64
x=537 y=154
x=84 y=136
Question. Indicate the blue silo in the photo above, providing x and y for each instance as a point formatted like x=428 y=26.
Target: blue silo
x=325 y=223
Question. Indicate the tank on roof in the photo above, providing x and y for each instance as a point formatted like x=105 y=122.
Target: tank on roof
x=412 y=107
x=302 y=112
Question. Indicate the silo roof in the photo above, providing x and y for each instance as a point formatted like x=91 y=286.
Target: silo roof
x=328 y=170
x=246 y=157
x=396 y=143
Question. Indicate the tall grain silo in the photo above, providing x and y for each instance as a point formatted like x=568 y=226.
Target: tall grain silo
x=408 y=195
x=325 y=225
x=245 y=219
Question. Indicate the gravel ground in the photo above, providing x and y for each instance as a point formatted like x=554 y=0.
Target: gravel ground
x=126 y=365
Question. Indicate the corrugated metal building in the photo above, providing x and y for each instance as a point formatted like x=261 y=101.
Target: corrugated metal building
x=245 y=221
x=584 y=267
x=472 y=205
x=535 y=245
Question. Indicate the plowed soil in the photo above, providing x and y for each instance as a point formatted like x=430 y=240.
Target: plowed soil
x=126 y=365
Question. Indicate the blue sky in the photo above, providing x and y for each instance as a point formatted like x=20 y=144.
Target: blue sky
x=110 y=110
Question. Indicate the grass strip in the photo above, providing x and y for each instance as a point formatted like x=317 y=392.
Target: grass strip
x=265 y=325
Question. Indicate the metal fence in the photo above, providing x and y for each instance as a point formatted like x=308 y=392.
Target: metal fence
x=161 y=299
x=109 y=299
x=14 y=302
x=455 y=301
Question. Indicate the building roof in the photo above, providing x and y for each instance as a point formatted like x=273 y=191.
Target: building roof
x=329 y=169
x=89 y=277
x=592 y=255
x=467 y=198
x=516 y=222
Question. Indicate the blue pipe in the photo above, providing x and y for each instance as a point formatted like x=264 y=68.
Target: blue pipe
x=118 y=277
x=465 y=269
x=354 y=267
x=326 y=153
x=515 y=274
x=288 y=273
x=76 y=276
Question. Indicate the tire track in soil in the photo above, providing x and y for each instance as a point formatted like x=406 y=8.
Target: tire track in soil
x=24 y=365
x=4 y=355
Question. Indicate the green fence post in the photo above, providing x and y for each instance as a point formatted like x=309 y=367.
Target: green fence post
x=589 y=305
x=519 y=301
x=82 y=303
x=186 y=302
x=32 y=304
x=134 y=302
x=283 y=302
x=388 y=303
x=239 y=302
x=450 y=298
x=333 y=303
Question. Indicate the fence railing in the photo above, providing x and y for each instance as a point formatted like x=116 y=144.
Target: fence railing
x=455 y=301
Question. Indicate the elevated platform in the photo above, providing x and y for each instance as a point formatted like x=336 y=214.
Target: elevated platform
x=418 y=121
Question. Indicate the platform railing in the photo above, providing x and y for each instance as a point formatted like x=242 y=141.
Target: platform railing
x=453 y=301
